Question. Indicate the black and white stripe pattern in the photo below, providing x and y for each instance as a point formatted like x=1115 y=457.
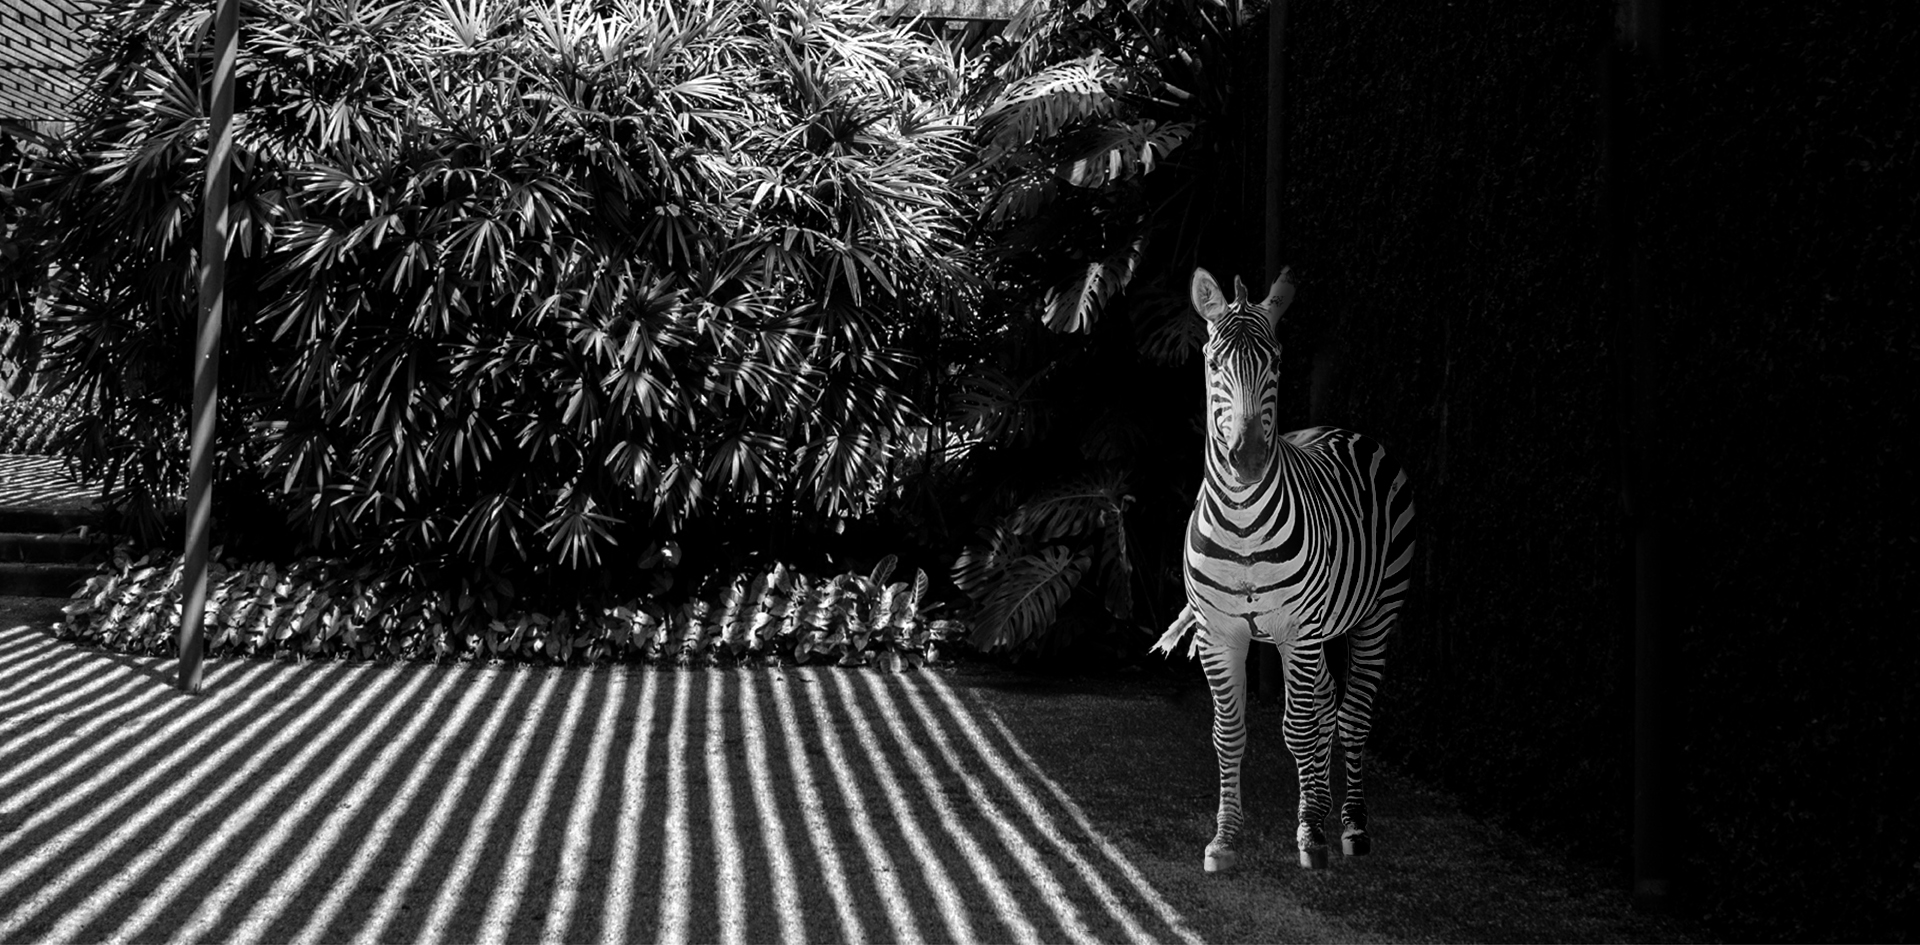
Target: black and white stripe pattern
x=1295 y=539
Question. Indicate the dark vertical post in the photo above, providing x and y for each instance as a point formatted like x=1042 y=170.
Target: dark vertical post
x=1276 y=132
x=206 y=350
x=1635 y=51
x=1268 y=675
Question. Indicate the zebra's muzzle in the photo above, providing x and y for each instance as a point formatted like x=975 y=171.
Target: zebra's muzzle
x=1248 y=456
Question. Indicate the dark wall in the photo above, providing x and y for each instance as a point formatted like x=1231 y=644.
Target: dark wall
x=1444 y=219
x=1781 y=245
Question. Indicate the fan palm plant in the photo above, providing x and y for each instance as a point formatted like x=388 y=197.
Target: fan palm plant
x=525 y=286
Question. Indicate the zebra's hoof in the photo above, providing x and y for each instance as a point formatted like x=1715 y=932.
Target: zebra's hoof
x=1313 y=858
x=1219 y=861
x=1358 y=844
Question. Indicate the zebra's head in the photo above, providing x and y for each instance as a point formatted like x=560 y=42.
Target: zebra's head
x=1243 y=373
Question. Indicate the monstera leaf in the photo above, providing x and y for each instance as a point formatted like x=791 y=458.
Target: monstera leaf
x=1028 y=598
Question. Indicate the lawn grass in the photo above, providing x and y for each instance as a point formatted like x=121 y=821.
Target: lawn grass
x=1138 y=757
x=301 y=802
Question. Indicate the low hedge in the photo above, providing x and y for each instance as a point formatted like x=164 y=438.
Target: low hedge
x=29 y=424
x=320 y=609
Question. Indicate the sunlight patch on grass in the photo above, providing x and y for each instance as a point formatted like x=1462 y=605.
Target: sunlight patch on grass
x=1046 y=826
x=886 y=876
x=511 y=886
x=623 y=888
x=357 y=802
x=1022 y=852
x=952 y=914
x=459 y=873
x=813 y=813
x=773 y=829
x=415 y=843
x=579 y=824
x=24 y=781
x=35 y=667
x=119 y=817
x=190 y=877
x=69 y=720
x=728 y=876
x=299 y=872
x=675 y=878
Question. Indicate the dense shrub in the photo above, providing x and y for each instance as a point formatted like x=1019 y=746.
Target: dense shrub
x=321 y=609
x=518 y=288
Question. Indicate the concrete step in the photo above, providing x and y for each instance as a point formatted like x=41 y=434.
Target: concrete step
x=37 y=579
x=34 y=521
x=44 y=548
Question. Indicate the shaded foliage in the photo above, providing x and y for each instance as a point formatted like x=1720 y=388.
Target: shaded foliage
x=1116 y=145
x=22 y=268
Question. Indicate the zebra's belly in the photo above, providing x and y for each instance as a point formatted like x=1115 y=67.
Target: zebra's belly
x=1270 y=615
x=1296 y=605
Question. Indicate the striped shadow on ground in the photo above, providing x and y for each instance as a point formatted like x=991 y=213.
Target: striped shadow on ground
x=39 y=482
x=355 y=802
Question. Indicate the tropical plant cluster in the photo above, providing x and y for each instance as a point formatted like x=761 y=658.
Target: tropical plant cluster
x=521 y=290
x=518 y=289
x=1113 y=149
x=319 y=609
x=32 y=424
x=22 y=270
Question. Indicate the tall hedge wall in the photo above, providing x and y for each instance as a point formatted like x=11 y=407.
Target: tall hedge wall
x=1443 y=215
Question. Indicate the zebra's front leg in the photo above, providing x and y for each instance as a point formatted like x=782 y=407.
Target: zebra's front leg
x=1309 y=732
x=1225 y=662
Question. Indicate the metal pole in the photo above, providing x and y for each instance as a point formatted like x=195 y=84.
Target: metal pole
x=1268 y=675
x=206 y=351
x=1276 y=131
x=1636 y=50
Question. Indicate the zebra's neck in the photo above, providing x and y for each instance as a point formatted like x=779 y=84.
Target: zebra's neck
x=1243 y=501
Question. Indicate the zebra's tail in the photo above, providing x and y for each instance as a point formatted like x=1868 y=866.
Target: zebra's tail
x=1183 y=623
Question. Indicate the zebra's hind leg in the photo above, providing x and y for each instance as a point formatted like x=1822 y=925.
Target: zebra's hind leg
x=1225 y=662
x=1309 y=733
x=1366 y=659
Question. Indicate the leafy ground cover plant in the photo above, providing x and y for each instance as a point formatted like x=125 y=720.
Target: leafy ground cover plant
x=32 y=423
x=320 y=609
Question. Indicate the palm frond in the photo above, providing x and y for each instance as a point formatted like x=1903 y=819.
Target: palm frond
x=1077 y=305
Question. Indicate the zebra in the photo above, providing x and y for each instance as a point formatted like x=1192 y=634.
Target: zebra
x=1295 y=539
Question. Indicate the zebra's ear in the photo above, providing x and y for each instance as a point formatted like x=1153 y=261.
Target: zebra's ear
x=1279 y=297
x=1206 y=295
